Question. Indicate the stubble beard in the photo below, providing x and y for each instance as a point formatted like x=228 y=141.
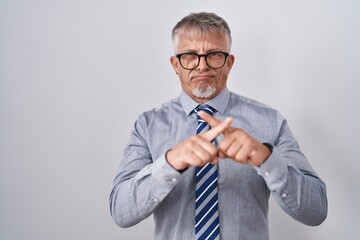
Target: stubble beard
x=203 y=91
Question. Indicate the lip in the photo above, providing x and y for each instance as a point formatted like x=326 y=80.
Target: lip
x=202 y=77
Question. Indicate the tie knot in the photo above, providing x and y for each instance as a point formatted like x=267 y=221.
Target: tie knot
x=206 y=108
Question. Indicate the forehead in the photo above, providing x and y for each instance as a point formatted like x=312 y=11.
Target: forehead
x=203 y=42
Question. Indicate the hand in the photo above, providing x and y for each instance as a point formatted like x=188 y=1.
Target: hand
x=197 y=150
x=238 y=145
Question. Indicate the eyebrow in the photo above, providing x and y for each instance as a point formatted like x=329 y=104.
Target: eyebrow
x=210 y=50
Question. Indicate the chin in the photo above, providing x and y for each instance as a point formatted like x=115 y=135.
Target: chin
x=206 y=92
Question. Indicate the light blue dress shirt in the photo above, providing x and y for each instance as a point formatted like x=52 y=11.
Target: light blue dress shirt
x=146 y=184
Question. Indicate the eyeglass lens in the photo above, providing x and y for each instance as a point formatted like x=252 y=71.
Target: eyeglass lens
x=213 y=60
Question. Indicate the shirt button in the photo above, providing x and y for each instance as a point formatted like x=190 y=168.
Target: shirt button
x=173 y=179
x=283 y=195
x=266 y=174
x=155 y=199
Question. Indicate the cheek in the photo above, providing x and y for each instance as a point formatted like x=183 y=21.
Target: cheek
x=220 y=78
x=223 y=75
x=182 y=75
x=184 y=78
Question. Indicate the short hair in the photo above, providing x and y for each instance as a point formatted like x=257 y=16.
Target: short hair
x=200 y=25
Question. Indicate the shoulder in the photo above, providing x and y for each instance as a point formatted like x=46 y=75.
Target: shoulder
x=253 y=112
x=238 y=101
x=161 y=112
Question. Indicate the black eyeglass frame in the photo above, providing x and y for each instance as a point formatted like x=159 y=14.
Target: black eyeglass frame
x=178 y=56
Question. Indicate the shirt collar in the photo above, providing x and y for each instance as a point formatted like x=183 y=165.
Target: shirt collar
x=219 y=102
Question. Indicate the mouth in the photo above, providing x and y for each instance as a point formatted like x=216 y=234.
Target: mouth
x=202 y=77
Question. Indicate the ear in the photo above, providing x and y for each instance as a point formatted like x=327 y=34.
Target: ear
x=175 y=63
x=230 y=61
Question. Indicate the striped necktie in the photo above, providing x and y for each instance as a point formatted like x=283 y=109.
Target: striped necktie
x=206 y=197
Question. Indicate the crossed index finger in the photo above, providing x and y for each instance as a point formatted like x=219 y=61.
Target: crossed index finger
x=217 y=128
x=213 y=122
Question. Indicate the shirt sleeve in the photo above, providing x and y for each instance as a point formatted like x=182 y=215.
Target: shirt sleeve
x=141 y=183
x=293 y=183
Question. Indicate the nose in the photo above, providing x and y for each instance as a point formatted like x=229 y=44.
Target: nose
x=202 y=64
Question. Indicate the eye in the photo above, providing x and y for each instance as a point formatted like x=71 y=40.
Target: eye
x=189 y=56
x=216 y=55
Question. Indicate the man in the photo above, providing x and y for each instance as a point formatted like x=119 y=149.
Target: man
x=212 y=184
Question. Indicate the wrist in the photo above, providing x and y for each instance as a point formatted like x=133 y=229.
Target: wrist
x=173 y=163
x=269 y=146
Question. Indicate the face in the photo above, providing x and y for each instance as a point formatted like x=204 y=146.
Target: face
x=202 y=83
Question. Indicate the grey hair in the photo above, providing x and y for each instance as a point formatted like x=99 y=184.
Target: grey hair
x=200 y=25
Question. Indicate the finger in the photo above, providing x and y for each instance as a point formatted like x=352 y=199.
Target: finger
x=193 y=160
x=243 y=155
x=217 y=130
x=234 y=148
x=226 y=143
x=205 y=150
x=214 y=161
x=213 y=122
x=221 y=154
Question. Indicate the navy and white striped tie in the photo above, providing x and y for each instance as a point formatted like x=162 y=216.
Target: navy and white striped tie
x=206 y=197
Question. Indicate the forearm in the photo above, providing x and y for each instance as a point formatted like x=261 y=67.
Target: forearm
x=135 y=198
x=299 y=192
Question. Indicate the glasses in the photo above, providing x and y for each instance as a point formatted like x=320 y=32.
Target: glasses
x=214 y=60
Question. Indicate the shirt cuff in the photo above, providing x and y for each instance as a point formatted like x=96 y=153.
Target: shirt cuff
x=163 y=172
x=273 y=169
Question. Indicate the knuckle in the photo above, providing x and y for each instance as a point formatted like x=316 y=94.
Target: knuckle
x=213 y=152
x=240 y=157
x=195 y=162
x=231 y=154
x=193 y=138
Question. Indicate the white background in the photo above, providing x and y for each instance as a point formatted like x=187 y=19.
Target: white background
x=74 y=75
